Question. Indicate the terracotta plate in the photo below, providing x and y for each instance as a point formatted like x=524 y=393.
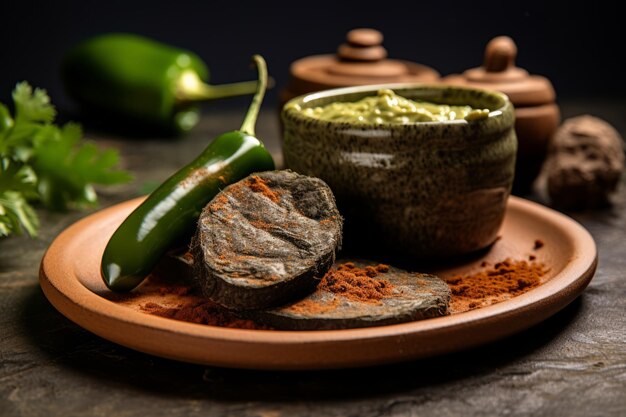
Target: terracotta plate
x=71 y=280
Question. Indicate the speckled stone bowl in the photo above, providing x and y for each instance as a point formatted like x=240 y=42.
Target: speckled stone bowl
x=423 y=190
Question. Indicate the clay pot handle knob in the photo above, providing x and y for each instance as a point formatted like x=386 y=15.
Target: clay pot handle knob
x=500 y=54
x=363 y=45
x=364 y=37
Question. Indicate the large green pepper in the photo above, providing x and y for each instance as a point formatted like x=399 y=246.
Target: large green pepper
x=169 y=215
x=143 y=81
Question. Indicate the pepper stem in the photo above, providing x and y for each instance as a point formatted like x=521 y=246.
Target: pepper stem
x=249 y=122
x=191 y=88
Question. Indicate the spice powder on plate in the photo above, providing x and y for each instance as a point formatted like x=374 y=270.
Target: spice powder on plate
x=202 y=312
x=166 y=294
x=492 y=284
x=500 y=282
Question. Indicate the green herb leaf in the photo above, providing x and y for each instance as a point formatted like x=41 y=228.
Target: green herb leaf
x=67 y=171
x=44 y=163
x=6 y=121
x=17 y=184
x=32 y=106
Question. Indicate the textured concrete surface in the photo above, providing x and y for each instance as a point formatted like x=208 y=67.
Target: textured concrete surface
x=573 y=364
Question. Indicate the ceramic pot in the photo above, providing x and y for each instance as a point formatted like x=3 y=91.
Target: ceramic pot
x=433 y=189
x=536 y=114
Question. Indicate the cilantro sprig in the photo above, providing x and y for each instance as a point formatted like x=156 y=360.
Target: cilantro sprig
x=42 y=163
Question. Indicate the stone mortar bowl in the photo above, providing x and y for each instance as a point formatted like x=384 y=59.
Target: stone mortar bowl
x=415 y=191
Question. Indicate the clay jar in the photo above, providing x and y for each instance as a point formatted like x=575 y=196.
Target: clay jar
x=362 y=60
x=536 y=114
x=413 y=191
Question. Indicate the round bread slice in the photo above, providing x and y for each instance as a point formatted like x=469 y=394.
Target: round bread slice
x=383 y=295
x=266 y=240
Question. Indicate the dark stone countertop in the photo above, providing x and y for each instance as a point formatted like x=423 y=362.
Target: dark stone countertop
x=573 y=364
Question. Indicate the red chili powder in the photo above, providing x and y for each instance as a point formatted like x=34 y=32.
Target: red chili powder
x=357 y=284
x=309 y=307
x=504 y=280
x=202 y=312
x=218 y=203
x=259 y=185
x=186 y=303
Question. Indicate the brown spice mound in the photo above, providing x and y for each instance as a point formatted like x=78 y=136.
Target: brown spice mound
x=357 y=284
x=259 y=185
x=504 y=280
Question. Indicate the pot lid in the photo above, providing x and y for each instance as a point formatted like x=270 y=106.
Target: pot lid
x=362 y=60
x=499 y=72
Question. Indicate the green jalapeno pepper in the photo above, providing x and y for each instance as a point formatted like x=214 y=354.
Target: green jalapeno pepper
x=135 y=78
x=170 y=213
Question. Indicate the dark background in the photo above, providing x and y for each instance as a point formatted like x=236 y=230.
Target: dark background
x=575 y=44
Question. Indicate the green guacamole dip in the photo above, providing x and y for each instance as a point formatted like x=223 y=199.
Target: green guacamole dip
x=386 y=107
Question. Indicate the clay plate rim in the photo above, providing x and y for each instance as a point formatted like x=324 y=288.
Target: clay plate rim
x=290 y=350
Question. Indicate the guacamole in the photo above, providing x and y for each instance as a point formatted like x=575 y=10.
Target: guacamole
x=388 y=108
